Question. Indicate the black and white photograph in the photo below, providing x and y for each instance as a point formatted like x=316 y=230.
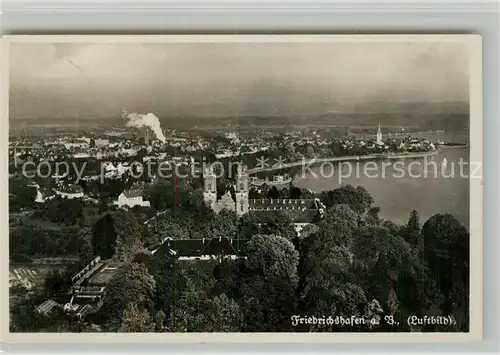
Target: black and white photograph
x=243 y=184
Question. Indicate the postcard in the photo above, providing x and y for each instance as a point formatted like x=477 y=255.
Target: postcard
x=281 y=188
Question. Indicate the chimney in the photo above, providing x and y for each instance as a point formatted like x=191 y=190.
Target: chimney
x=15 y=157
x=147 y=136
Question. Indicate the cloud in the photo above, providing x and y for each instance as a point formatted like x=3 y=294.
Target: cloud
x=229 y=78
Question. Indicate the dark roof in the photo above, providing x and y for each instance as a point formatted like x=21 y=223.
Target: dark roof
x=71 y=189
x=264 y=203
x=296 y=216
x=201 y=247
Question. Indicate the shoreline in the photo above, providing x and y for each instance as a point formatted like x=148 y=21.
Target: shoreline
x=312 y=162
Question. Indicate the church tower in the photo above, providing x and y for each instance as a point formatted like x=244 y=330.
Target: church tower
x=241 y=191
x=210 y=186
x=379 y=135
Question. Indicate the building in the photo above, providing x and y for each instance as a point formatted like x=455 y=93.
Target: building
x=46 y=307
x=241 y=191
x=43 y=195
x=379 y=136
x=70 y=191
x=131 y=198
x=202 y=249
x=72 y=145
x=86 y=292
x=240 y=204
x=301 y=211
x=232 y=137
x=101 y=142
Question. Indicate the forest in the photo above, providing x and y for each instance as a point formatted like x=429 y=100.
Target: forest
x=350 y=263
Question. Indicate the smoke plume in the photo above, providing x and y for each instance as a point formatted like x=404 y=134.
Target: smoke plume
x=139 y=120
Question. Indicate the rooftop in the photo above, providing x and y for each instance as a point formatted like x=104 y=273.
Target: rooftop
x=201 y=247
x=266 y=203
x=74 y=189
x=296 y=216
x=47 y=306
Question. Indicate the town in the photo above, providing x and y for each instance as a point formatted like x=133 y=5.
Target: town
x=160 y=187
x=117 y=168
x=77 y=181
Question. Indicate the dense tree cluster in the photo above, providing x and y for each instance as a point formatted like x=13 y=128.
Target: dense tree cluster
x=61 y=210
x=350 y=263
x=21 y=196
x=30 y=239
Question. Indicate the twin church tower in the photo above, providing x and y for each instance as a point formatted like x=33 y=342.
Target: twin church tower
x=241 y=203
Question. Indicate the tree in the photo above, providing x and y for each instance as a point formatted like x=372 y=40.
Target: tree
x=309 y=152
x=20 y=194
x=142 y=214
x=128 y=240
x=412 y=233
x=85 y=251
x=188 y=291
x=161 y=195
x=269 y=279
x=308 y=231
x=249 y=225
x=327 y=286
x=226 y=314
x=273 y=193
x=136 y=320
x=160 y=321
x=278 y=223
x=385 y=260
x=357 y=198
x=104 y=237
x=272 y=256
x=372 y=217
x=295 y=193
x=377 y=247
x=132 y=283
x=337 y=228
x=225 y=224
x=62 y=210
x=267 y=304
x=327 y=253
x=29 y=238
x=446 y=251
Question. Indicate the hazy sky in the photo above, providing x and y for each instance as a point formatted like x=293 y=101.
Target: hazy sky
x=171 y=80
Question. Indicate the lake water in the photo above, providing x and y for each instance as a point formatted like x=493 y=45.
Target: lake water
x=399 y=186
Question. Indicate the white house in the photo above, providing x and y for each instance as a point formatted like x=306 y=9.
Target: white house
x=131 y=198
x=102 y=142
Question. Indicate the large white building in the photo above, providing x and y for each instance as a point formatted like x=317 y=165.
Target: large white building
x=131 y=198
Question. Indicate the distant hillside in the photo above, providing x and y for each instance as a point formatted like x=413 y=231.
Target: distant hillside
x=437 y=116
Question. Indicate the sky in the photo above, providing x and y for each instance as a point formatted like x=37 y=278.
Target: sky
x=227 y=79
